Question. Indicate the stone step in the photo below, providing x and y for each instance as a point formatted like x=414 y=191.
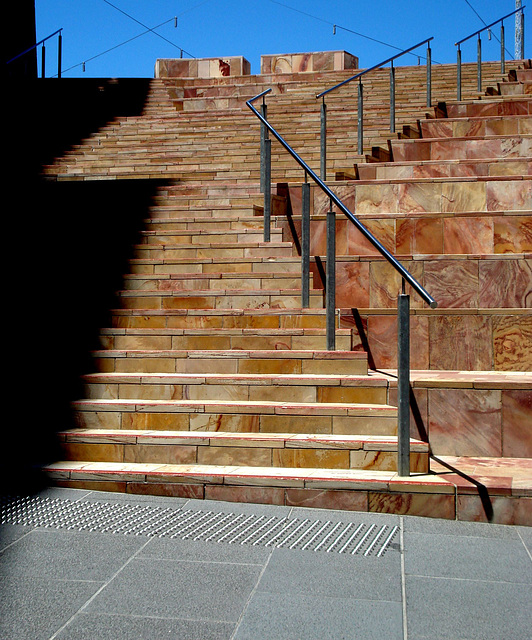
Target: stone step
x=204 y=237
x=471 y=147
x=218 y=318
x=223 y=339
x=216 y=386
x=476 y=413
x=252 y=264
x=476 y=127
x=493 y=107
x=218 y=299
x=236 y=416
x=444 y=169
x=515 y=88
x=215 y=281
x=214 y=250
x=268 y=450
x=491 y=339
x=314 y=362
x=473 y=281
x=195 y=223
x=423 y=235
x=450 y=491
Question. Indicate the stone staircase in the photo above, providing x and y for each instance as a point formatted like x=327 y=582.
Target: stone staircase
x=213 y=382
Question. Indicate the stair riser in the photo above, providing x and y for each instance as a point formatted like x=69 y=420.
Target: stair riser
x=489 y=341
x=476 y=128
x=283 y=265
x=519 y=147
x=242 y=392
x=481 y=233
x=146 y=320
x=162 y=364
x=191 y=284
x=206 y=224
x=478 y=109
x=241 y=423
x=343 y=342
x=255 y=457
x=468 y=168
x=169 y=237
x=174 y=252
x=468 y=283
x=445 y=197
x=219 y=301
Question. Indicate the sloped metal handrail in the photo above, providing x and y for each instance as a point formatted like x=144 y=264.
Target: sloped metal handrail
x=376 y=66
x=403 y=301
x=479 y=50
x=43 y=52
x=406 y=275
x=360 y=107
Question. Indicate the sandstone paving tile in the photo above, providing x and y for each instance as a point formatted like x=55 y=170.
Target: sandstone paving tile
x=267 y=477
x=195 y=473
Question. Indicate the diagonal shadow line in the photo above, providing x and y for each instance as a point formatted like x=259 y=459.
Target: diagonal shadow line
x=481 y=488
x=363 y=337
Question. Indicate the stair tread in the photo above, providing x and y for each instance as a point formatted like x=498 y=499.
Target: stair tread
x=218 y=438
x=299 y=354
x=239 y=406
x=222 y=330
x=517 y=480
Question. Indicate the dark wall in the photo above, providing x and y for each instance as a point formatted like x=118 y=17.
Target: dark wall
x=18 y=34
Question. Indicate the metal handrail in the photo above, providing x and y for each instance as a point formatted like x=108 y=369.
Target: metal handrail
x=403 y=300
x=406 y=275
x=489 y=25
x=377 y=66
x=43 y=55
x=479 y=50
x=360 y=108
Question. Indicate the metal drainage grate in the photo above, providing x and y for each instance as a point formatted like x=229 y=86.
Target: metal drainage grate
x=208 y=526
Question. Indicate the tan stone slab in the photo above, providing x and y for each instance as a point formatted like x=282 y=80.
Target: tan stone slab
x=273 y=477
x=193 y=474
x=349 y=479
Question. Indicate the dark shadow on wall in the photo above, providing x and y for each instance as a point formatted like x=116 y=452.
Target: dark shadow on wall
x=66 y=247
x=44 y=118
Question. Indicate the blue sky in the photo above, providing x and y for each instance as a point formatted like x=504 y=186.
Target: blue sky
x=113 y=44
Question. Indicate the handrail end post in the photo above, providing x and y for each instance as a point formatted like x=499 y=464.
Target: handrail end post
x=403 y=385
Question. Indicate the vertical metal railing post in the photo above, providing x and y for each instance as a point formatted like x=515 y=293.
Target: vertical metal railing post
x=392 y=98
x=429 y=76
x=360 y=119
x=59 y=53
x=330 y=279
x=264 y=134
x=458 y=74
x=403 y=383
x=305 y=244
x=43 y=60
x=503 y=54
x=323 y=141
x=267 y=188
x=479 y=64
